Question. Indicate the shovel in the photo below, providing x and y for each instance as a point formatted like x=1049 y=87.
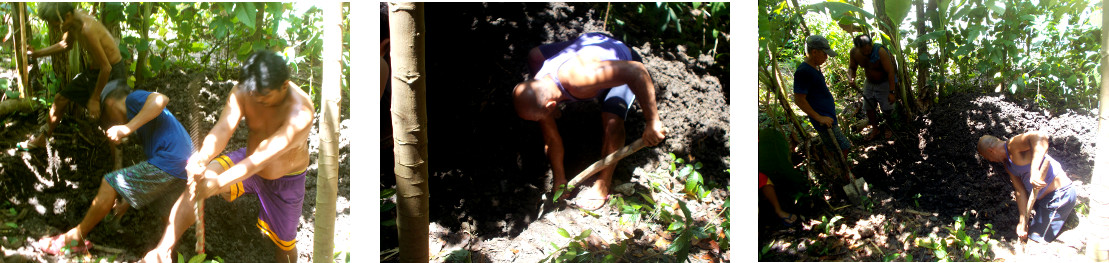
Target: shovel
x=855 y=186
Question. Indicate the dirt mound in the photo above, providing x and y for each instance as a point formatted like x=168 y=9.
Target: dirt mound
x=930 y=172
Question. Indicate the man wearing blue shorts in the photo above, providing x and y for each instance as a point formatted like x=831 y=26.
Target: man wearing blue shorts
x=165 y=143
x=272 y=166
x=591 y=67
x=811 y=93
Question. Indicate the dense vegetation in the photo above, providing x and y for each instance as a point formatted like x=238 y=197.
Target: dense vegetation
x=162 y=37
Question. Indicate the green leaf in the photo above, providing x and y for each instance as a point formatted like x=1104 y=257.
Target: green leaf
x=180 y=257
x=897 y=10
x=929 y=36
x=698 y=165
x=563 y=233
x=997 y=7
x=584 y=234
x=674 y=225
x=197 y=259
x=387 y=206
x=11 y=225
x=837 y=10
x=685 y=171
x=245 y=13
x=388 y=193
x=390 y=222
x=12 y=209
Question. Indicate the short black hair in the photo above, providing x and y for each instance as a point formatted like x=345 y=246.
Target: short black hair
x=263 y=71
x=54 y=11
x=862 y=40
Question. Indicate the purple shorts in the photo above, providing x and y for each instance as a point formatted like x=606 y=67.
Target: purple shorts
x=282 y=200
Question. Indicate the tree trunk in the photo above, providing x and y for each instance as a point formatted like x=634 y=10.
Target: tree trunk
x=1097 y=243
x=779 y=91
x=259 y=26
x=327 y=178
x=409 y=113
x=140 y=64
x=20 y=27
x=921 y=52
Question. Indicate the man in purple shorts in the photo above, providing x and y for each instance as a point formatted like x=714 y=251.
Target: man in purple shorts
x=593 y=66
x=165 y=143
x=272 y=166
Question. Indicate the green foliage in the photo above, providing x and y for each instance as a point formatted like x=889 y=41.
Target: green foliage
x=387 y=205
x=572 y=251
x=460 y=255
x=959 y=244
x=702 y=27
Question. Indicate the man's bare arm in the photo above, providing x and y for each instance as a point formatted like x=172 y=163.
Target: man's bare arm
x=552 y=146
x=297 y=129
x=851 y=66
x=64 y=45
x=155 y=103
x=592 y=76
x=217 y=138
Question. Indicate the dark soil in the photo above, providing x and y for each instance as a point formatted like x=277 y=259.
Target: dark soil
x=930 y=172
x=488 y=170
x=54 y=187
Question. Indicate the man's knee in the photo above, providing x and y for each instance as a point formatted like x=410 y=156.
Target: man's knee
x=613 y=124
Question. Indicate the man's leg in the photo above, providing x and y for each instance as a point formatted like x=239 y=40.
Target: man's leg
x=61 y=103
x=286 y=256
x=100 y=206
x=613 y=140
x=181 y=217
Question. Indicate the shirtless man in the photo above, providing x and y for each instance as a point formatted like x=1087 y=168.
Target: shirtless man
x=881 y=79
x=273 y=165
x=592 y=66
x=97 y=44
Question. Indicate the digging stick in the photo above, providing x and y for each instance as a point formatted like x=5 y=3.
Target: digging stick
x=194 y=132
x=605 y=162
x=853 y=190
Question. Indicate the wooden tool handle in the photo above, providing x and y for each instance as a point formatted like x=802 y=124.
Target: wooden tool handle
x=605 y=162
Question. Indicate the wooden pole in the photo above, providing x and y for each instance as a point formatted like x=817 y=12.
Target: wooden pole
x=327 y=177
x=1097 y=242
x=409 y=111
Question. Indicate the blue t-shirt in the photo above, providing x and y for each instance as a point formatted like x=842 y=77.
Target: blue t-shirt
x=165 y=142
x=810 y=81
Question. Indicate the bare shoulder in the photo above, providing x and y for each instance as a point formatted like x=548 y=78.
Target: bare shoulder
x=302 y=112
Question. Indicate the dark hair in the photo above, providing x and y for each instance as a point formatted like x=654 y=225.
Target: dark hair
x=862 y=40
x=54 y=11
x=263 y=71
x=119 y=93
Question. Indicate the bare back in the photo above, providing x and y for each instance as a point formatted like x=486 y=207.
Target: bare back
x=265 y=122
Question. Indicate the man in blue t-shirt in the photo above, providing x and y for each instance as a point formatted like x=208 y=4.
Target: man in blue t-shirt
x=167 y=147
x=811 y=94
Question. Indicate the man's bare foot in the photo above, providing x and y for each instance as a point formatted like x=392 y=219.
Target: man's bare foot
x=595 y=197
x=155 y=256
x=35 y=142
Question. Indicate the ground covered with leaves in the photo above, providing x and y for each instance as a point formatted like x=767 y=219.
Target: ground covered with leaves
x=932 y=198
x=490 y=181
x=47 y=192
